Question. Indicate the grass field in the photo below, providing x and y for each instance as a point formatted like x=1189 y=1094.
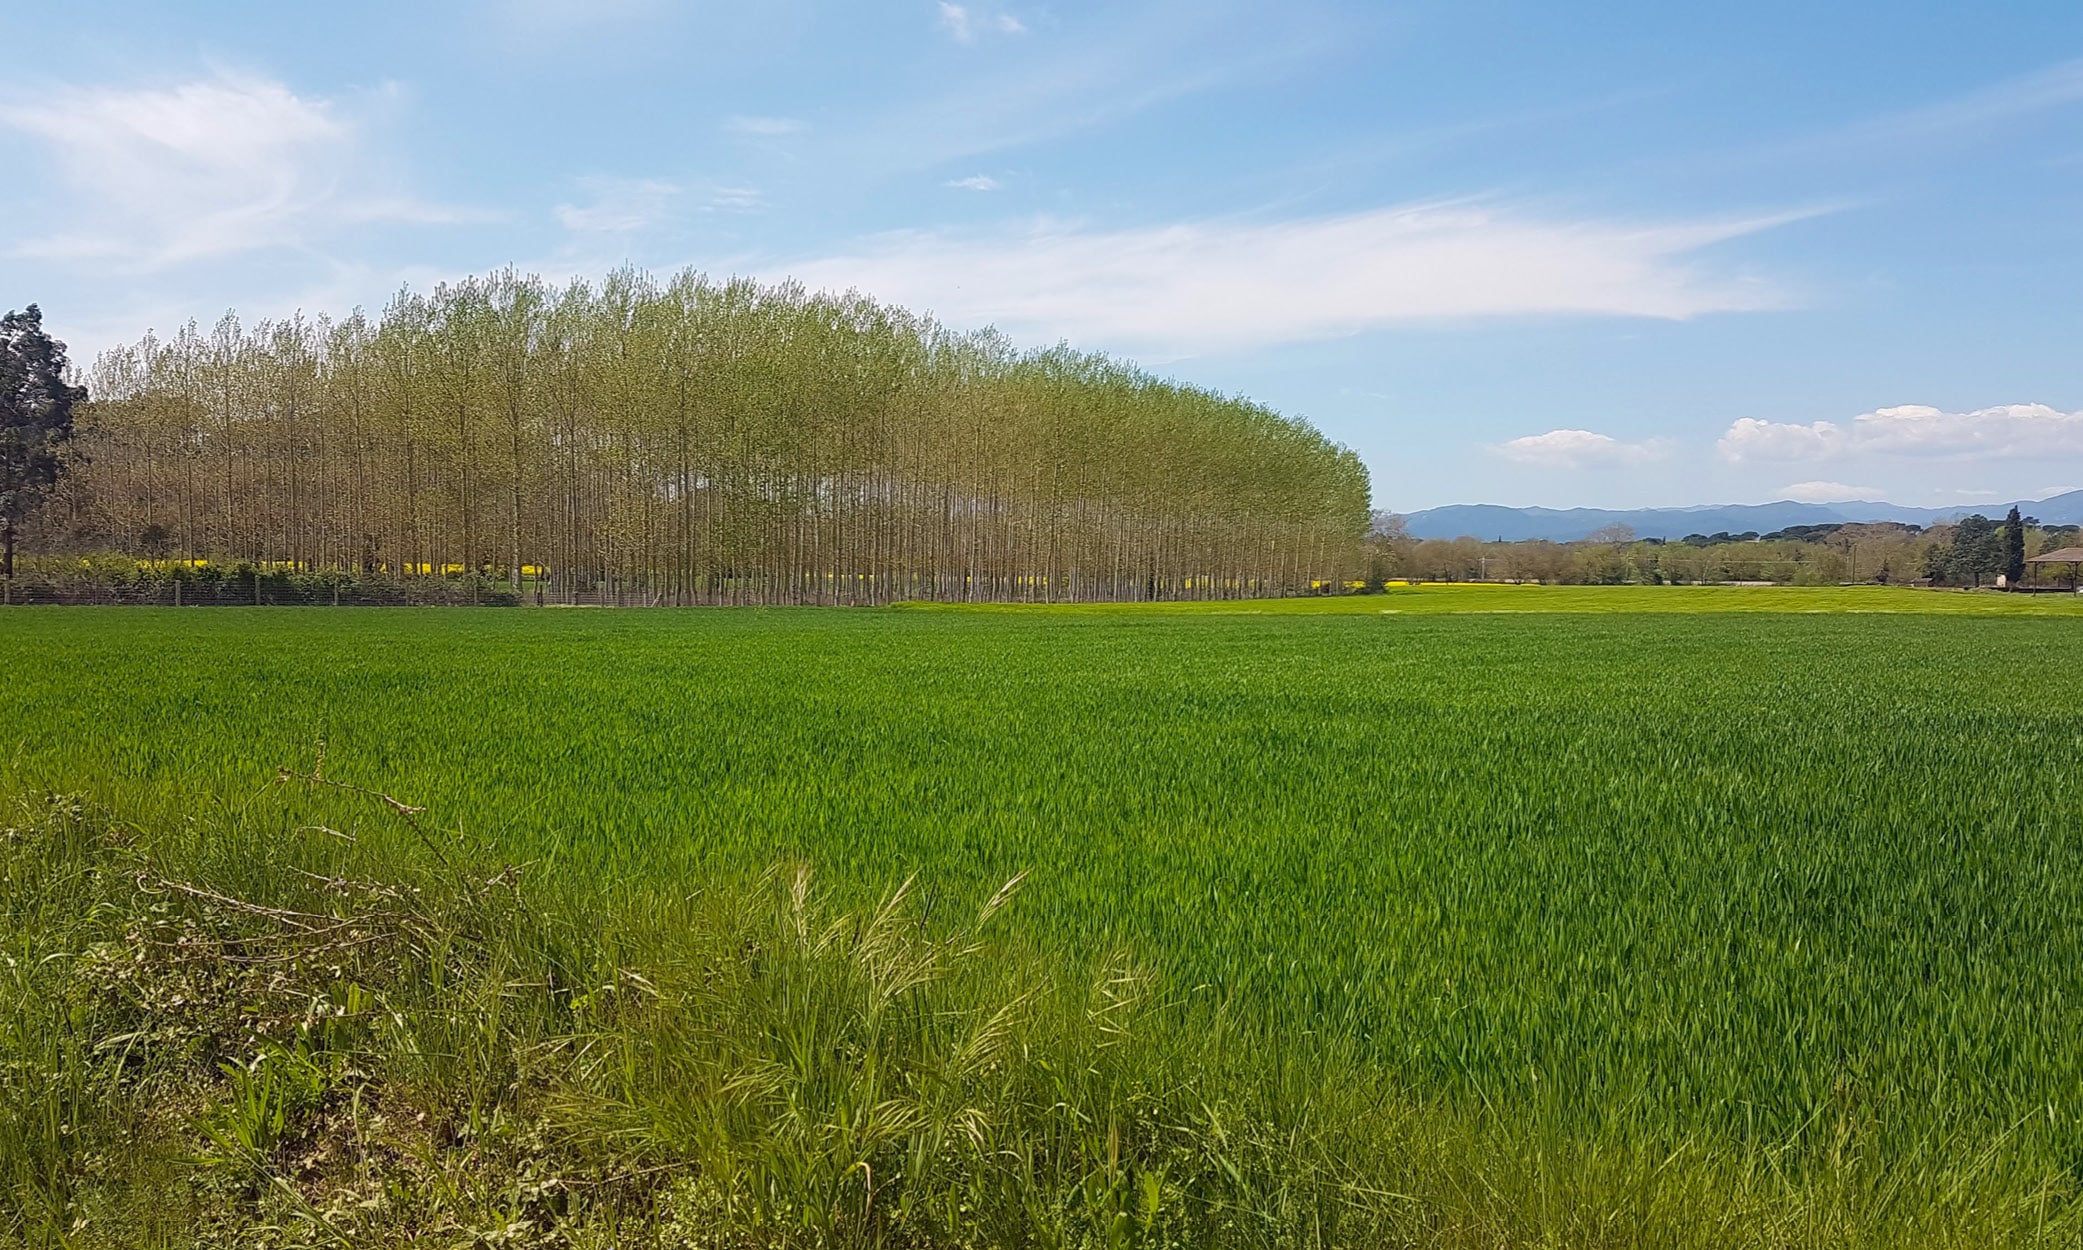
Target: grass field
x=1464 y=598
x=1785 y=883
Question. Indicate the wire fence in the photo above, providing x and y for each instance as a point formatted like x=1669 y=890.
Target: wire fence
x=262 y=590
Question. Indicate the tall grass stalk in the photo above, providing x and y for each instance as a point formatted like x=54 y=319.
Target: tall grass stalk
x=227 y=1034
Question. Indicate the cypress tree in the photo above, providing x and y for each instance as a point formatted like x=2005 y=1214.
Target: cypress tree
x=2014 y=548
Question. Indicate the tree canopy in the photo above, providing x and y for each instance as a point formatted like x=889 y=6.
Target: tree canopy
x=36 y=404
x=1975 y=551
x=690 y=440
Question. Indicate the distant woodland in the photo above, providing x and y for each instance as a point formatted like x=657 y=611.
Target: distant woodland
x=1971 y=552
x=693 y=441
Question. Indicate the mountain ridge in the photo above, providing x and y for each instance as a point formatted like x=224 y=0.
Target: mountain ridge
x=1508 y=524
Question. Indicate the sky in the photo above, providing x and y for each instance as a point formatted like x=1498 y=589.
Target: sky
x=1615 y=255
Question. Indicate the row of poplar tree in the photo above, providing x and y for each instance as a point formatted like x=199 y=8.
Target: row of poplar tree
x=692 y=441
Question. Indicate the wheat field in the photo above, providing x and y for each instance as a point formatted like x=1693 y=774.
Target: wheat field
x=1634 y=908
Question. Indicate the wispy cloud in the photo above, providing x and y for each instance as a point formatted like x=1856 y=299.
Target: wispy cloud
x=1125 y=60
x=1828 y=492
x=2008 y=431
x=966 y=22
x=162 y=175
x=1580 y=449
x=636 y=205
x=1203 y=285
x=550 y=16
x=735 y=199
x=976 y=182
x=2056 y=86
x=619 y=206
x=764 y=127
x=1916 y=131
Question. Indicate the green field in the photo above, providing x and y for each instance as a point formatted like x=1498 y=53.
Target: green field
x=1785 y=883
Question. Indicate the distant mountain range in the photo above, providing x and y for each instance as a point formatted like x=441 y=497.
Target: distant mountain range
x=1493 y=521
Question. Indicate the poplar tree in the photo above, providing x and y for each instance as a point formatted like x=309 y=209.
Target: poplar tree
x=693 y=441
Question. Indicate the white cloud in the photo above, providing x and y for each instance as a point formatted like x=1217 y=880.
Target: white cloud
x=619 y=206
x=765 y=127
x=1751 y=439
x=2008 y=431
x=1828 y=492
x=1578 y=449
x=204 y=169
x=976 y=182
x=965 y=23
x=1202 y=285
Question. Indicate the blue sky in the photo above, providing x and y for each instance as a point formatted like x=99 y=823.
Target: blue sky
x=1524 y=253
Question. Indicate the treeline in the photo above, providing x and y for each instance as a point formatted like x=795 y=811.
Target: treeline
x=693 y=441
x=1968 y=553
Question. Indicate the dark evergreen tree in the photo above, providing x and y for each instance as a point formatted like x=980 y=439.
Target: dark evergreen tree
x=1977 y=550
x=35 y=420
x=2014 y=548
